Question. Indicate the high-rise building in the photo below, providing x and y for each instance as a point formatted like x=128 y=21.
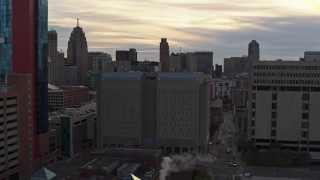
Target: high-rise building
x=98 y=61
x=218 y=71
x=55 y=60
x=77 y=53
x=234 y=66
x=164 y=55
x=24 y=34
x=132 y=55
x=9 y=161
x=164 y=110
x=123 y=55
x=284 y=104
x=52 y=56
x=253 y=51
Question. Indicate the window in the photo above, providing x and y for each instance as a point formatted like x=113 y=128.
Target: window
x=253 y=114
x=305 y=106
x=252 y=132
x=253 y=123
x=274 y=115
x=274 y=96
x=305 y=97
x=274 y=105
x=273 y=123
x=253 y=105
x=305 y=125
x=305 y=116
x=304 y=134
x=273 y=133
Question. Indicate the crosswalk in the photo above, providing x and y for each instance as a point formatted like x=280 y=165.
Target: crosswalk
x=223 y=175
x=223 y=167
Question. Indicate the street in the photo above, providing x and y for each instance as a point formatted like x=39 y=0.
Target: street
x=219 y=169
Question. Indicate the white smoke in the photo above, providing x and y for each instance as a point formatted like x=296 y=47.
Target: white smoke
x=177 y=163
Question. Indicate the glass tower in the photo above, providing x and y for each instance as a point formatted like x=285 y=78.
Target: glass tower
x=5 y=38
x=42 y=66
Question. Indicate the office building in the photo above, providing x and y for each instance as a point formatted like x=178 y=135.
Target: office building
x=218 y=71
x=241 y=125
x=177 y=62
x=166 y=110
x=204 y=62
x=164 y=55
x=191 y=62
x=70 y=75
x=93 y=79
x=55 y=60
x=311 y=56
x=118 y=66
x=75 y=128
x=77 y=53
x=24 y=44
x=97 y=61
x=9 y=144
x=123 y=55
x=234 y=66
x=284 y=104
x=222 y=88
x=63 y=97
x=144 y=66
x=253 y=51
x=240 y=92
x=216 y=113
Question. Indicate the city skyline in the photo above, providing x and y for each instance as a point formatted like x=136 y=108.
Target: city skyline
x=284 y=29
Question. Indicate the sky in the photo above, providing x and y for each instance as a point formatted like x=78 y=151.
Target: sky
x=283 y=28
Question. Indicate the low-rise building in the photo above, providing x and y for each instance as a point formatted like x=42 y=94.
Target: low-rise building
x=63 y=97
x=75 y=128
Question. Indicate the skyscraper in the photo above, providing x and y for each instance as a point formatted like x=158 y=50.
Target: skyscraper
x=164 y=55
x=52 y=56
x=253 y=51
x=123 y=55
x=78 y=53
x=24 y=50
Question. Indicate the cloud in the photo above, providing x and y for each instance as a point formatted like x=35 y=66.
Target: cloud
x=284 y=29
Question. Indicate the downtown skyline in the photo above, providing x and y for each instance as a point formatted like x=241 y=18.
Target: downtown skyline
x=284 y=29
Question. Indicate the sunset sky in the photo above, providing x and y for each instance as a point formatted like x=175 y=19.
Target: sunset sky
x=283 y=28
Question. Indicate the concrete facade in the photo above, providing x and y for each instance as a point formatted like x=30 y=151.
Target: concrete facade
x=312 y=56
x=222 y=88
x=283 y=104
x=74 y=128
x=154 y=109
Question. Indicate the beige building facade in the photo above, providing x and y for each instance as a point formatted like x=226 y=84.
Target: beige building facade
x=284 y=103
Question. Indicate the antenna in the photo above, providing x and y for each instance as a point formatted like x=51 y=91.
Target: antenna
x=180 y=49
x=78 y=22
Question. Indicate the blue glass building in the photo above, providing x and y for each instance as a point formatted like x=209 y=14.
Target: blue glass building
x=5 y=38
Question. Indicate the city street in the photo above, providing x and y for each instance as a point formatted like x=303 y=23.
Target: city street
x=220 y=169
